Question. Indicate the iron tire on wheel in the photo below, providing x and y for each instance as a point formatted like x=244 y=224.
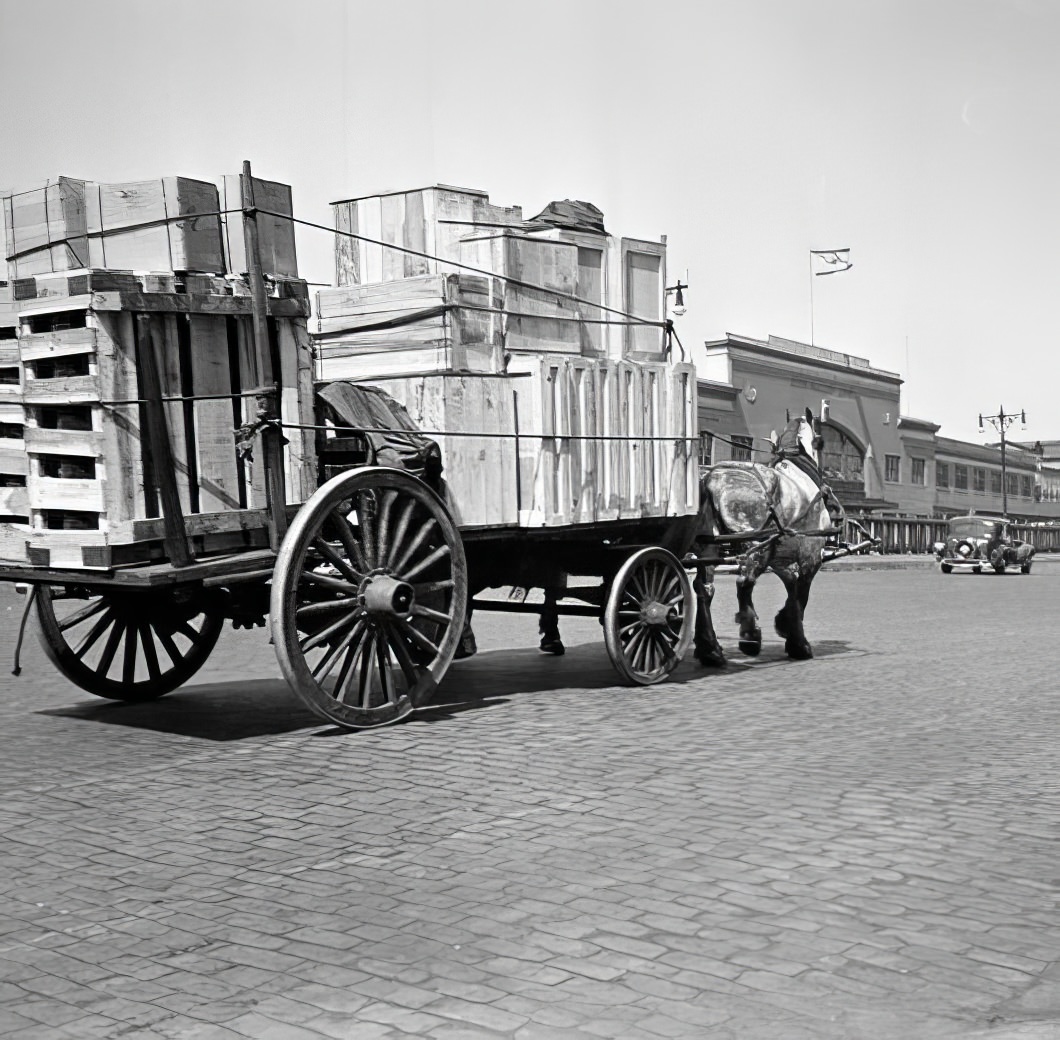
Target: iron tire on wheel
x=369 y=597
x=130 y=636
x=650 y=616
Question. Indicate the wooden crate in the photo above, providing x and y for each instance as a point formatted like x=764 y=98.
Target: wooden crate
x=166 y=224
x=14 y=503
x=45 y=229
x=276 y=243
x=479 y=471
x=417 y=326
x=92 y=495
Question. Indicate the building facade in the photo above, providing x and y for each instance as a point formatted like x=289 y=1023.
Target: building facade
x=893 y=472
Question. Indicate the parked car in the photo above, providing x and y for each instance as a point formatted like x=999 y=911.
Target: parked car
x=976 y=542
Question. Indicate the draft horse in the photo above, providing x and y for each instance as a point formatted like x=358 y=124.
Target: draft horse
x=784 y=513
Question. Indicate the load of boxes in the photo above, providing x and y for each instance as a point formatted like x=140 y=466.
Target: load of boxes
x=544 y=336
x=97 y=275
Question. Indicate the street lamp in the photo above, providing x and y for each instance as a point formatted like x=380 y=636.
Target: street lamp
x=1001 y=422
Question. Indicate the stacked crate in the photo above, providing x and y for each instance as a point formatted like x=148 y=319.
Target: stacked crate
x=92 y=480
x=13 y=502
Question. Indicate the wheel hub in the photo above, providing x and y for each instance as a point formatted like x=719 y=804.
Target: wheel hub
x=384 y=594
x=656 y=614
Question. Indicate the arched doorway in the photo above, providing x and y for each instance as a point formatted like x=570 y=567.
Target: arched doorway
x=842 y=461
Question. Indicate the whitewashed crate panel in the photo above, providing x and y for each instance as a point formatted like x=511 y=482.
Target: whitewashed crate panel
x=45 y=229
x=276 y=242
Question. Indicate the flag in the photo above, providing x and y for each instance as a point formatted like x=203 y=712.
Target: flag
x=830 y=261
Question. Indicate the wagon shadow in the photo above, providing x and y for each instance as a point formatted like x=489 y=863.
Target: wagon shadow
x=224 y=711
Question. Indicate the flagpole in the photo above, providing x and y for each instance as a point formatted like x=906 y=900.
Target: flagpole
x=811 y=297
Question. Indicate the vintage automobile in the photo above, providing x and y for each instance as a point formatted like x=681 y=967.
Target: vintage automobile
x=976 y=542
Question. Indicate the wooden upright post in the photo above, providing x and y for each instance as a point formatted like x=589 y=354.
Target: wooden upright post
x=269 y=395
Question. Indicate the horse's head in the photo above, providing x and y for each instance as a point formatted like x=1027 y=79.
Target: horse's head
x=802 y=436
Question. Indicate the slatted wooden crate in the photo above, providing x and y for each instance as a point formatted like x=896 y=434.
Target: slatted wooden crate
x=417 y=326
x=92 y=496
x=479 y=471
x=13 y=465
x=45 y=229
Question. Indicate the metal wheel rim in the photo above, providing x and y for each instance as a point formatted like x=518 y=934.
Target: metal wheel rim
x=352 y=665
x=131 y=647
x=646 y=652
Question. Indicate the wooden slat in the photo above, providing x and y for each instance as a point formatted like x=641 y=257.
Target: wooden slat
x=37 y=345
x=66 y=442
x=196 y=525
x=215 y=445
x=14 y=501
x=64 y=390
x=13 y=457
x=56 y=493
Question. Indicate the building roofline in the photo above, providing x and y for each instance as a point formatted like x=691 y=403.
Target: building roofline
x=405 y=191
x=909 y=422
x=781 y=347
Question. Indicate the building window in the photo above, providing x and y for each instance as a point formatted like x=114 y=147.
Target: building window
x=892 y=465
x=706 y=449
x=942 y=474
x=995 y=482
x=841 y=458
x=1025 y=486
x=960 y=476
x=741 y=448
x=916 y=475
x=978 y=478
x=1012 y=483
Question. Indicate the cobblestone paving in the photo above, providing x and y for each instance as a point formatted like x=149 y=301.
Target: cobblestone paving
x=859 y=846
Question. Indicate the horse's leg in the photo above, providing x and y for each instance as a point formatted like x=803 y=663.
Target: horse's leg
x=708 y=649
x=797 y=578
x=548 y=626
x=746 y=615
x=467 y=647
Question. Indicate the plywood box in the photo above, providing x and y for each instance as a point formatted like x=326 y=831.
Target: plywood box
x=416 y=326
x=276 y=242
x=168 y=224
x=45 y=229
x=479 y=471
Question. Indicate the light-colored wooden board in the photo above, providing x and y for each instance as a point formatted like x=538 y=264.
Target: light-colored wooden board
x=276 y=241
x=56 y=493
x=64 y=442
x=64 y=390
x=215 y=447
x=37 y=345
x=13 y=458
x=14 y=537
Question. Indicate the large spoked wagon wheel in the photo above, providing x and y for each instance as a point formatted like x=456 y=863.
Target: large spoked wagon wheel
x=369 y=597
x=650 y=615
x=129 y=646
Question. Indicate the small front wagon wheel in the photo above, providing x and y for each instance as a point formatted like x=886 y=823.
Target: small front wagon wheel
x=369 y=597
x=650 y=616
x=129 y=646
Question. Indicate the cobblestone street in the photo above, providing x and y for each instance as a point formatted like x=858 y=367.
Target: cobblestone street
x=859 y=846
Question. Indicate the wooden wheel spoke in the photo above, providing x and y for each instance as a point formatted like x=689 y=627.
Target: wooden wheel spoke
x=642 y=592
x=629 y=628
x=634 y=642
x=329 y=582
x=424 y=532
x=401 y=531
x=404 y=658
x=345 y=682
x=428 y=561
x=365 y=514
x=111 y=648
x=82 y=615
x=128 y=671
x=313 y=610
x=426 y=588
x=365 y=685
x=150 y=654
x=431 y=615
x=170 y=647
x=327 y=663
x=349 y=542
x=382 y=539
x=418 y=638
x=91 y=637
x=324 y=634
x=329 y=553
x=383 y=659
x=187 y=631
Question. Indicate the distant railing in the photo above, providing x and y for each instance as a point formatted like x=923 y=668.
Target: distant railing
x=919 y=535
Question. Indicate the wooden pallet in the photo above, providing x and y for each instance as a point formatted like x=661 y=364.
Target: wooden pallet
x=92 y=495
x=14 y=504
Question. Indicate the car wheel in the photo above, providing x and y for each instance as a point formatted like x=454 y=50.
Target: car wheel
x=945 y=568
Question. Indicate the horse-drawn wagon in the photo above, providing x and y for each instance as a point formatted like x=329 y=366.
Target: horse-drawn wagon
x=363 y=522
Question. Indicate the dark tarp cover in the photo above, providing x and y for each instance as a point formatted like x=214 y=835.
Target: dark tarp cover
x=572 y=215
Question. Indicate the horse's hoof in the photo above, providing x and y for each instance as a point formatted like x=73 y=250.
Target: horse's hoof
x=751 y=647
x=467 y=647
x=799 y=651
x=552 y=646
x=711 y=658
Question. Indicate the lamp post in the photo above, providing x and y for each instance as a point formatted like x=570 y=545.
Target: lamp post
x=1001 y=422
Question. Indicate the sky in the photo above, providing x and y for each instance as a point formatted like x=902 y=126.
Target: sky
x=924 y=135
